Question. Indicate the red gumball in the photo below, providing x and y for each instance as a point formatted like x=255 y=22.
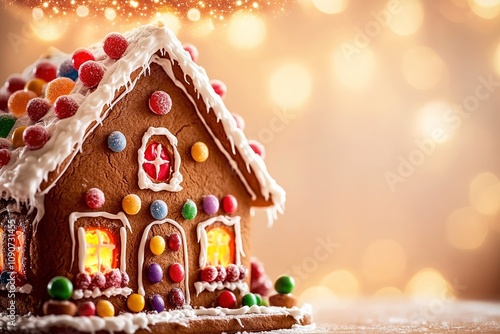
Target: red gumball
x=115 y=45
x=233 y=273
x=5 y=156
x=226 y=299
x=258 y=148
x=240 y=122
x=229 y=204
x=46 y=71
x=80 y=56
x=98 y=280
x=174 y=241
x=221 y=274
x=82 y=281
x=193 y=51
x=65 y=107
x=160 y=103
x=125 y=279
x=243 y=271
x=91 y=73
x=37 y=108
x=219 y=87
x=209 y=274
x=35 y=137
x=113 y=279
x=94 y=198
x=4 y=101
x=176 y=272
x=15 y=83
x=86 y=309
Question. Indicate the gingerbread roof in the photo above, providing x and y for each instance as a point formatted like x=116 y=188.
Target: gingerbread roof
x=30 y=174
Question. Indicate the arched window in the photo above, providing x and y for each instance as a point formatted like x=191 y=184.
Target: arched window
x=220 y=247
x=19 y=243
x=101 y=250
x=157 y=162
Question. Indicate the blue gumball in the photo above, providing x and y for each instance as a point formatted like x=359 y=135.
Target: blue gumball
x=5 y=278
x=67 y=70
x=117 y=141
x=158 y=209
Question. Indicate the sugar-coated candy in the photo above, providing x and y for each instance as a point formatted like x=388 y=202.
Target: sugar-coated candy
x=4 y=101
x=176 y=297
x=131 y=204
x=60 y=288
x=19 y=279
x=6 y=124
x=219 y=87
x=158 y=209
x=82 y=281
x=199 y=152
x=115 y=45
x=36 y=86
x=5 y=143
x=35 y=137
x=243 y=271
x=18 y=101
x=258 y=148
x=226 y=299
x=94 y=198
x=221 y=274
x=113 y=278
x=80 y=56
x=125 y=279
x=97 y=280
x=58 y=87
x=210 y=204
x=229 y=204
x=249 y=300
x=154 y=273
x=189 y=210
x=86 y=309
x=17 y=137
x=105 y=309
x=45 y=70
x=160 y=103
x=65 y=106
x=157 y=245
x=233 y=273
x=240 y=122
x=135 y=302
x=37 y=108
x=117 y=141
x=5 y=156
x=174 y=241
x=176 y=272
x=157 y=303
x=192 y=50
x=209 y=274
x=59 y=307
x=15 y=83
x=67 y=70
x=284 y=285
x=91 y=73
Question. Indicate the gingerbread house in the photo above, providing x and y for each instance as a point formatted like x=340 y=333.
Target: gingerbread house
x=135 y=181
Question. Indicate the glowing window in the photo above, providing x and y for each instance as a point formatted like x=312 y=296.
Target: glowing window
x=19 y=250
x=157 y=162
x=101 y=251
x=1 y=249
x=220 y=249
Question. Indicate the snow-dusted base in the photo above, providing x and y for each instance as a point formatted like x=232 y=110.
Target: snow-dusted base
x=188 y=320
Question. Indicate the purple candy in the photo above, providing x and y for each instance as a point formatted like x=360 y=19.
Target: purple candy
x=210 y=204
x=157 y=303
x=154 y=273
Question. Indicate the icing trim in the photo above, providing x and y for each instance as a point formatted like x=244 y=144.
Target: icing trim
x=240 y=285
x=79 y=293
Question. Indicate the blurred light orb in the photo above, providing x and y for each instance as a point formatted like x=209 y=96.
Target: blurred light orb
x=37 y=14
x=354 y=71
x=432 y=121
x=290 y=85
x=497 y=59
x=486 y=9
x=466 y=229
x=246 y=31
x=194 y=14
x=422 y=67
x=384 y=260
x=409 y=18
x=110 y=14
x=487 y=3
x=484 y=193
x=388 y=292
x=49 y=31
x=330 y=6
x=318 y=295
x=428 y=284
x=202 y=27
x=342 y=283
x=82 y=11
x=170 y=20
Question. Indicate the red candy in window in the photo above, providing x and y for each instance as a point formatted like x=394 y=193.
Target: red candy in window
x=176 y=272
x=157 y=164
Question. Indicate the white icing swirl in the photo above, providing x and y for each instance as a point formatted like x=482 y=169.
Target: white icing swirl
x=240 y=285
x=79 y=293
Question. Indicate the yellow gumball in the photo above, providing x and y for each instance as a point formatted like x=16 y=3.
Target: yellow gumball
x=105 y=309
x=36 y=86
x=157 y=245
x=17 y=137
x=131 y=204
x=135 y=302
x=199 y=151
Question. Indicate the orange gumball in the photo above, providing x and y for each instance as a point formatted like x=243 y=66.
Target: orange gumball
x=36 y=86
x=58 y=87
x=18 y=101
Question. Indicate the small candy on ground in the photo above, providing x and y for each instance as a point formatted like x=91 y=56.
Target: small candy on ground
x=233 y=273
x=18 y=102
x=17 y=137
x=115 y=45
x=160 y=103
x=97 y=280
x=226 y=299
x=158 y=209
x=80 y=56
x=91 y=73
x=189 y=210
x=281 y=300
x=258 y=148
x=249 y=300
x=67 y=70
x=65 y=107
x=82 y=281
x=35 y=137
x=131 y=204
x=221 y=274
x=157 y=245
x=5 y=156
x=6 y=124
x=117 y=141
x=46 y=71
x=37 y=108
x=174 y=241
x=154 y=273
x=58 y=87
x=113 y=278
x=219 y=87
x=157 y=303
x=105 y=309
x=192 y=50
x=229 y=204
x=209 y=274
x=60 y=288
x=284 y=285
x=59 y=307
x=240 y=122
x=176 y=272
x=36 y=86
x=210 y=204
x=15 y=83
x=135 y=302
x=176 y=297
x=199 y=152
x=94 y=198
x=86 y=309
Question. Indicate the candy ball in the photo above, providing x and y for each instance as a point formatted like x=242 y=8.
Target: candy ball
x=60 y=288
x=6 y=124
x=176 y=297
x=37 y=108
x=5 y=156
x=135 y=302
x=209 y=274
x=97 y=280
x=113 y=278
x=4 y=101
x=86 y=309
x=131 y=204
x=94 y=198
x=117 y=141
x=105 y=309
x=219 y=87
x=65 y=107
x=284 y=285
x=192 y=50
x=35 y=137
x=59 y=307
x=229 y=204
x=210 y=204
x=91 y=73
x=199 y=152
x=67 y=70
x=233 y=273
x=258 y=298
x=189 y=210
x=15 y=83
x=258 y=148
x=157 y=245
x=158 y=209
x=58 y=87
x=115 y=45
x=221 y=274
x=81 y=56
x=243 y=271
x=17 y=137
x=176 y=272
x=160 y=103
x=249 y=300
x=226 y=299
x=125 y=279
x=154 y=273
x=240 y=122
x=157 y=303
x=82 y=281
x=36 y=86
x=174 y=241
x=46 y=71
x=5 y=278
x=18 y=102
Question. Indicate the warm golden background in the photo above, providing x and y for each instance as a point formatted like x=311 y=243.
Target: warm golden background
x=380 y=118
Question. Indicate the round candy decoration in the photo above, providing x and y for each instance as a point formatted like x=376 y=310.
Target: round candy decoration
x=60 y=288
x=65 y=107
x=35 y=137
x=226 y=299
x=210 y=204
x=97 y=280
x=258 y=298
x=125 y=279
x=37 y=108
x=5 y=278
x=176 y=297
x=115 y=45
x=189 y=210
x=36 y=86
x=67 y=70
x=158 y=209
x=209 y=274
x=46 y=71
x=233 y=273
x=221 y=274
x=6 y=124
x=249 y=300
x=192 y=50
x=131 y=204
x=157 y=303
x=17 y=137
x=113 y=278
x=258 y=148
x=157 y=245
x=18 y=102
x=174 y=241
x=240 y=122
x=117 y=141
x=160 y=103
x=229 y=204
x=135 y=302
x=15 y=83
x=91 y=73
x=82 y=281
x=94 y=198
x=176 y=272
x=86 y=309
x=58 y=87
x=80 y=56
x=5 y=156
x=199 y=152
x=105 y=309
x=284 y=285
x=4 y=101
x=154 y=273
x=219 y=87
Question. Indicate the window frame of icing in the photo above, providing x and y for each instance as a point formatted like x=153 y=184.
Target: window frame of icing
x=112 y=245
x=145 y=182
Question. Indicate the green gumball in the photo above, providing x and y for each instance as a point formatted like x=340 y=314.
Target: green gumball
x=249 y=300
x=259 y=299
x=60 y=288
x=189 y=210
x=284 y=285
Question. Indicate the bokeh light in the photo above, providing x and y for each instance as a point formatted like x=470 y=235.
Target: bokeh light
x=428 y=284
x=110 y=14
x=354 y=71
x=170 y=20
x=47 y=30
x=290 y=85
x=342 y=283
x=37 y=14
x=486 y=9
x=432 y=122
x=194 y=14
x=496 y=59
x=388 y=292
x=408 y=17
x=384 y=260
x=484 y=193
x=317 y=295
x=422 y=67
x=246 y=31
x=330 y=6
x=82 y=11
x=466 y=228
